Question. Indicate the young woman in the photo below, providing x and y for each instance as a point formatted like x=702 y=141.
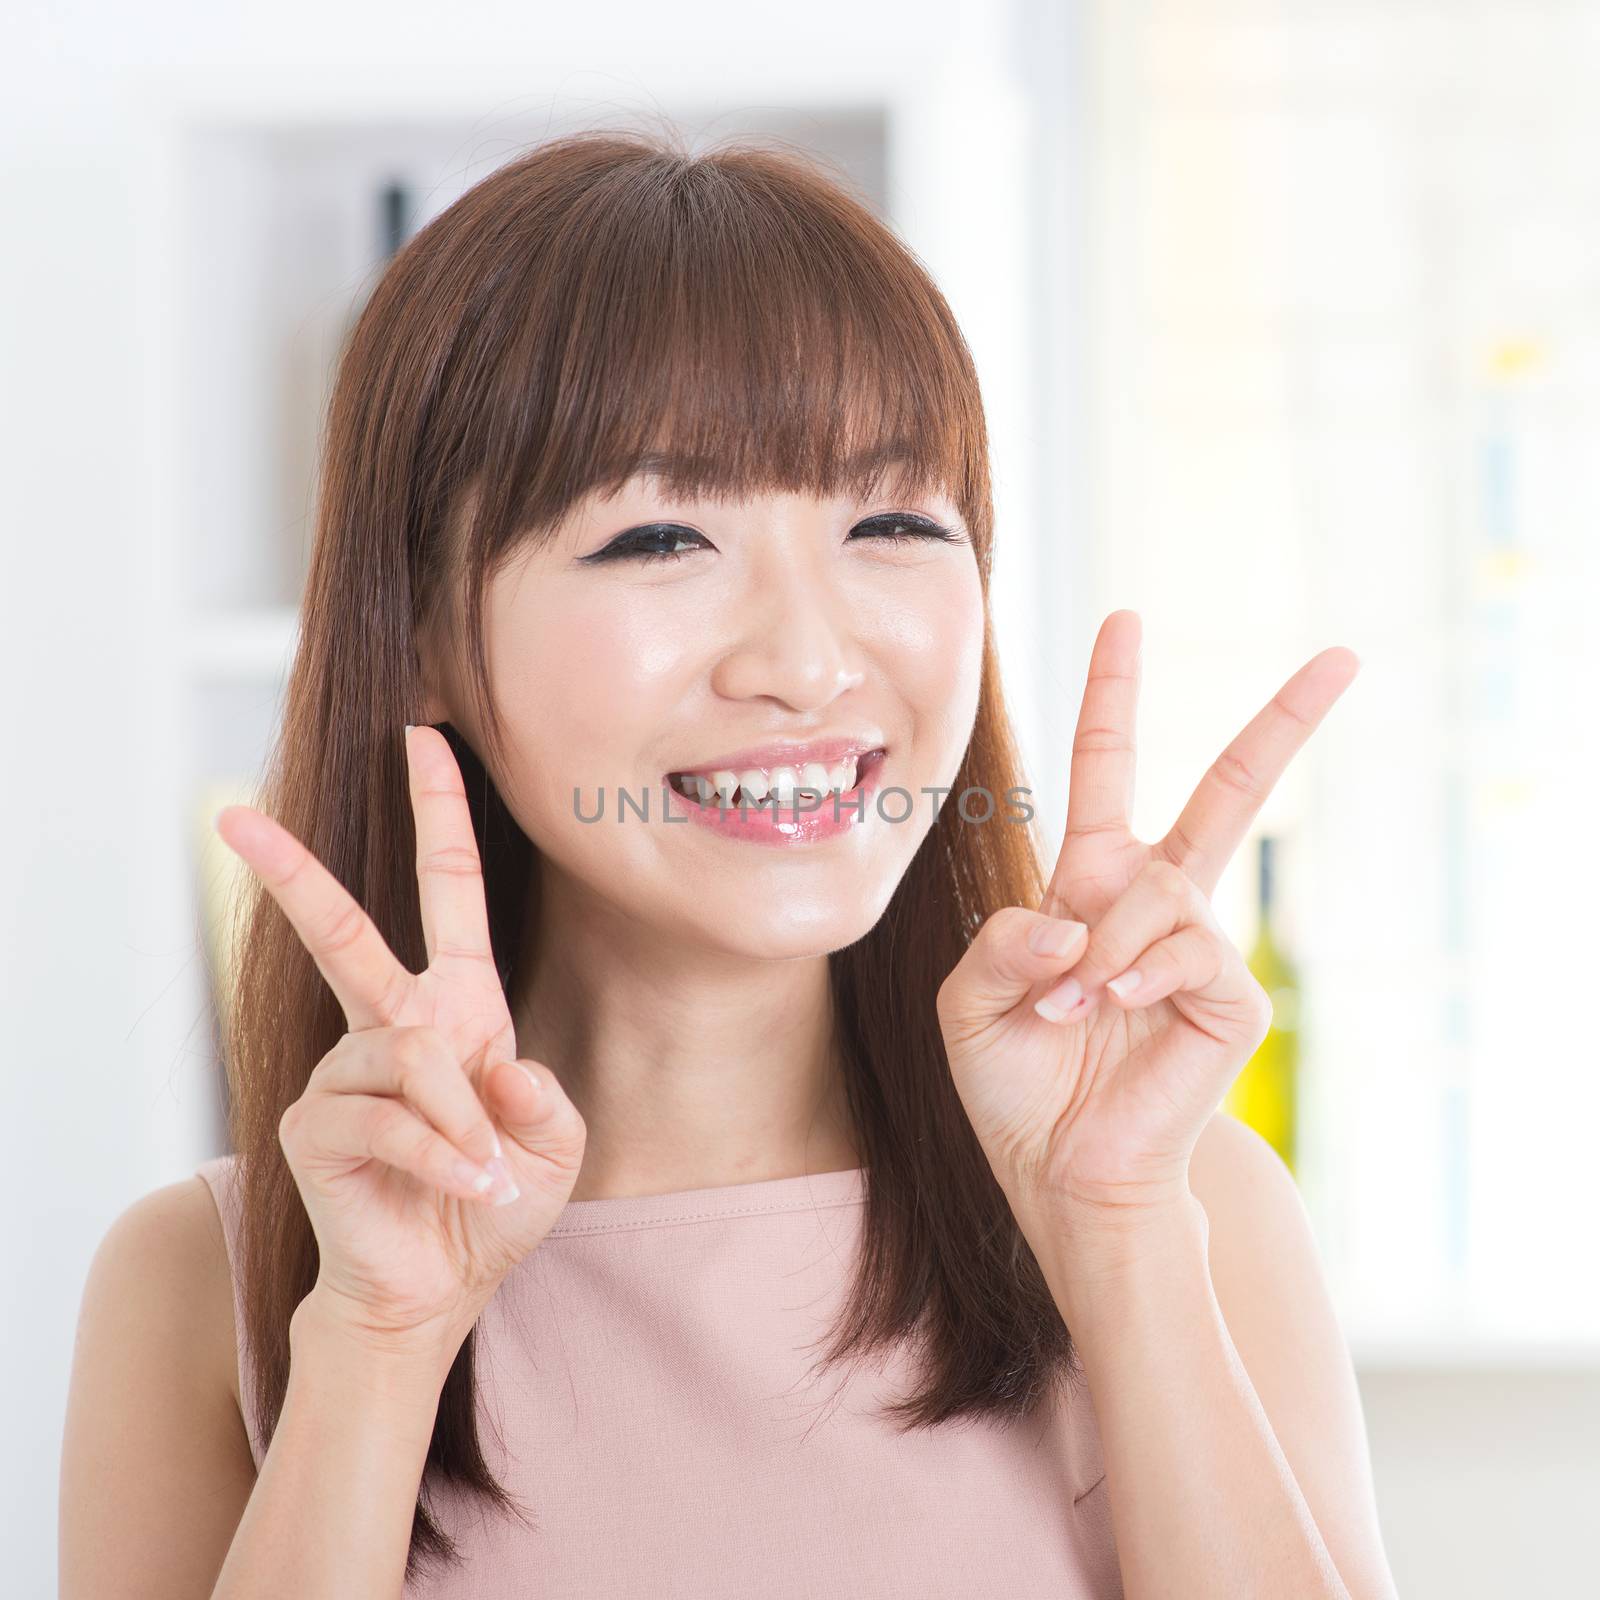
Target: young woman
x=686 y=1144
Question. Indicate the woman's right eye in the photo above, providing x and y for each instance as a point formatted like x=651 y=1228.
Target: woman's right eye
x=656 y=543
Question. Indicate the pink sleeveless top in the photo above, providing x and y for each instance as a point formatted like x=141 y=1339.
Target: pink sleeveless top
x=646 y=1394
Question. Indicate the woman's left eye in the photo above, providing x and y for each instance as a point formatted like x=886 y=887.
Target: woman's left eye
x=898 y=528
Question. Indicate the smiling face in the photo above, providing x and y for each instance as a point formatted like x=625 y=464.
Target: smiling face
x=652 y=638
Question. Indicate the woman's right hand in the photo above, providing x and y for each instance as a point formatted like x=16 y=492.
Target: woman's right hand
x=393 y=1117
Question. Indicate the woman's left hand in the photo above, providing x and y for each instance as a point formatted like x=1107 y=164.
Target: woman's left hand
x=1090 y=1111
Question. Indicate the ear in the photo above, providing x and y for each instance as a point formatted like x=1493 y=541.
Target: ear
x=435 y=700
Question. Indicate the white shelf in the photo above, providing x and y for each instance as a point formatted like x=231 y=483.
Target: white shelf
x=1464 y=1352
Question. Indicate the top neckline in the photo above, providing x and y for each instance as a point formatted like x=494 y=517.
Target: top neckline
x=800 y=1193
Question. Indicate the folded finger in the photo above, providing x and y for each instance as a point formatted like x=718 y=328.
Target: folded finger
x=343 y=1130
x=1160 y=900
x=1205 y=978
x=1014 y=950
x=1192 y=959
x=417 y=1065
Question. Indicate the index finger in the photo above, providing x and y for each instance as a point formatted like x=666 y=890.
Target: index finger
x=1219 y=813
x=361 y=969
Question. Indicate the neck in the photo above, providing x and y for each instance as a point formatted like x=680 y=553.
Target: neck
x=692 y=1067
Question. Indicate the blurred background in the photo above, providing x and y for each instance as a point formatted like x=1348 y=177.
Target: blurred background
x=1288 y=320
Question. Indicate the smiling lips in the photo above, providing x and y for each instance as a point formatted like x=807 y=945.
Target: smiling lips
x=770 y=786
x=793 y=801
x=779 y=774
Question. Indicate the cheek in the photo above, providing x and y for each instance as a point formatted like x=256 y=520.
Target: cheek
x=584 y=689
x=931 y=644
x=607 y=664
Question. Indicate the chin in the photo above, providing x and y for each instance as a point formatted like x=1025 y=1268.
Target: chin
x=809 y=925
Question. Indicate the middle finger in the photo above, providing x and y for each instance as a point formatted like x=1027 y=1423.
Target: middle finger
x=1235 y=787
x=455 y=913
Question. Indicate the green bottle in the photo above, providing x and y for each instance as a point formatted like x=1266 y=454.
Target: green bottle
x=1265 y=1092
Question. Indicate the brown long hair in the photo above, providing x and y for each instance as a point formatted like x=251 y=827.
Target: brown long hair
x=600 y=296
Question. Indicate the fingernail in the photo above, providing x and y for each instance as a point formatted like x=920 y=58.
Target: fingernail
x=1124 y=985
x=1054 y=938
x=410 y=726
x=1060 y=1000
x=474 y=1177
x=505 y=1187
x=533 y=1082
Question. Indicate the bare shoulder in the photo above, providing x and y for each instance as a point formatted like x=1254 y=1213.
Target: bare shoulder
x=1231 y=1159
x=165 y=1259
x=1266 y=1267
x=156 y=1465
x=1272 y=1290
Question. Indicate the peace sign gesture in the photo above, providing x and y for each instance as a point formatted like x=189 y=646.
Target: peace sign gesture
x=419 y=1206
x=1091 y=1040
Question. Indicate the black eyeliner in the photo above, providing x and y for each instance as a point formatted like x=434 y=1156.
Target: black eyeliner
x=624 y=548
x=926 y=526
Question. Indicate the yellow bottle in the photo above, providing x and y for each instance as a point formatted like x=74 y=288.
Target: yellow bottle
x=1265 y=1092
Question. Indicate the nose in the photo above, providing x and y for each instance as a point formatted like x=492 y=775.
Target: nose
x=796 y=638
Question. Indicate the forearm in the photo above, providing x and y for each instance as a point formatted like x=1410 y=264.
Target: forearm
x=1203 y=1501
x=331 y=1512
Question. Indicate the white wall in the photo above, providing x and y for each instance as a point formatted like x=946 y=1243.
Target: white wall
x=1487 y=1481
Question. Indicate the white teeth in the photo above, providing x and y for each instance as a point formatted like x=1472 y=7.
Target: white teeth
x=781 y=786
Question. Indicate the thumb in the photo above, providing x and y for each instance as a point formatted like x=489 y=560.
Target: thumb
x=1014 y=949
x=528 y=1102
